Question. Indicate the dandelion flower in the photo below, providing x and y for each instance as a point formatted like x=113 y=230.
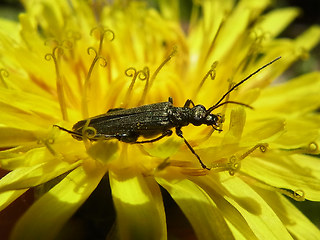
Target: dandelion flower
x=65 y=61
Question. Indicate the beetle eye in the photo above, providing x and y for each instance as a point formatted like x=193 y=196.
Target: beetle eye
x=212 y=119
x=209 y=118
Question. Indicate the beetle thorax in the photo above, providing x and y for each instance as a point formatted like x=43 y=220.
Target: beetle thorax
x=198 y=115
x=179 y=116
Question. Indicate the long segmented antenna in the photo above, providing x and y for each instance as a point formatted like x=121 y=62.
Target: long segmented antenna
x=238 y=84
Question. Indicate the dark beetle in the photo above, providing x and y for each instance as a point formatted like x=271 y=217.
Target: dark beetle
x=127 y=125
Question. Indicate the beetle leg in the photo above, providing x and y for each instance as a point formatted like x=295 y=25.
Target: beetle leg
x=77 y=135
x=164 y=134
x=188 y=103
x=170 y=100
x=217 y=129
x=180 y=134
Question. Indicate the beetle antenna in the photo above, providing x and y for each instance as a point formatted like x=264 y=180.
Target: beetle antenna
x=238 y=84
x=68 y=131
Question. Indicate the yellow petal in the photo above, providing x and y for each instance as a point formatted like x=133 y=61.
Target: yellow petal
x=294 y=172
x=15 y=158
x=170 y=9
x=237 y=122
x=216 y=191
x=277 y=20
x=296 y=96
x=262 y=220
x=309 y=39
x=139 y=206
x=297 y=224
x=9 y=26
x=14 y=137
x=46 y=217
x=165 y=149
x=29 y=103
x=299 y=132
x=8 y=197
x=266 y=130
x=203 y=214
x=26 y=177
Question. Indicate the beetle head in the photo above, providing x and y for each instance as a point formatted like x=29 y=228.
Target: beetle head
x=199 y=115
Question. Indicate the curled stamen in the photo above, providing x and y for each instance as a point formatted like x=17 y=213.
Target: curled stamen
x=132 y=70
x=89 y=132
x=58 y=46
x=154 y=75
x=96 y=58
x=54 y=41
x=67 y=44
x=211 y=49
x=297 y=195
x=144 y=75
x=74 y=36
x=102 y=33
x=4 y=74
x=141 y=74
x=91 y=49
x=233 y=165
x=56 y=52
x=211 y=73
x=311 y=148
x=103 y=62
x=86 y=87
x=262 y=146
x=47 y=143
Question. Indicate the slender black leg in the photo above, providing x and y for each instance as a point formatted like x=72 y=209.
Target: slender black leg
x=164 y=134
x=217 y=129
x=188 y=103
x=179 y=133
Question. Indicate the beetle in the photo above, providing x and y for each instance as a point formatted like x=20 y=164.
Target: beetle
x=153 y=120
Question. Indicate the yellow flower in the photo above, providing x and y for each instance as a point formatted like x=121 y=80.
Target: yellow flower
x=65 y=61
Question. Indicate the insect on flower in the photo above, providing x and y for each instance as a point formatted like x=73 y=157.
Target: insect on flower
x=127 y=125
